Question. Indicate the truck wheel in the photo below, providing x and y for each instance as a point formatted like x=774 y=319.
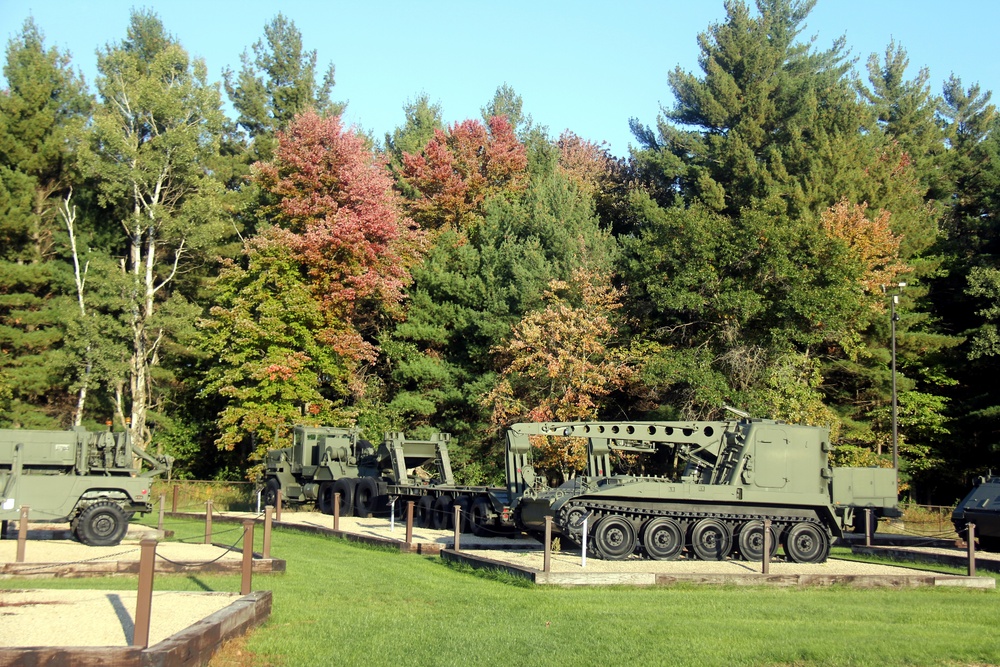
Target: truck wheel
x=324 y=499
x=465 y=520
x=269 y=496
x=102 y=525
x=345 y=487
x=365 y=497
x=989 y=543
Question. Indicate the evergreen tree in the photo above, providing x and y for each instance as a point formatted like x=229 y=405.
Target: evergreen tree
x=43 y=113
x=277 y=84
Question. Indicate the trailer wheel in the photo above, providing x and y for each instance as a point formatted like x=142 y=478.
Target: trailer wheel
x=807 y=543
x=989 y=543
x=711 y=539
x=465 y=520
x=479 y=518
x=346 y=488
x=102 y=525
x=269 y=496
x=442 y=513
x=423 y=513
x=365 y=497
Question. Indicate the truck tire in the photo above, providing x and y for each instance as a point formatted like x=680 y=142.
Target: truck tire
x=269 y=496
x=441 y=517
x=345 y=487
x=365 y=497
x=324 y=499
x=480 y=519
x=102 y=525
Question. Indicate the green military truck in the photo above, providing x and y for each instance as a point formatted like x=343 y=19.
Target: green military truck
x=93 y=480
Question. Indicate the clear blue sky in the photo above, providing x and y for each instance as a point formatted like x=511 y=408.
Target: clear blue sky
x=584 y=65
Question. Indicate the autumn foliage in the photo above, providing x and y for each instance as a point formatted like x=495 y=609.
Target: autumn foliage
x=870 y=240
x=559 y=366
x=340 y=215
x=458 y=170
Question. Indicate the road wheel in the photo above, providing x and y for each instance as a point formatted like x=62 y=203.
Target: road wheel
x=807 y=543
x=711 y=539
x=102 y=525
x=345 y=487
x=662 y=538
x=751 y=541
x=365 y=497
x=614 y=537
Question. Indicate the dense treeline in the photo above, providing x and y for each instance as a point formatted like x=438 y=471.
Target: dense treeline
x=207 y=281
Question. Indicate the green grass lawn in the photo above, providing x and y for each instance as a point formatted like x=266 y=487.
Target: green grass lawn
x=345 y=604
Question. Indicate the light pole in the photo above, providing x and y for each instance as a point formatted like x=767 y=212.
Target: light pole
x=893 y=317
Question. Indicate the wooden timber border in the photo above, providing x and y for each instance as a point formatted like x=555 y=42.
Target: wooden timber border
x=659 y=579
x=194 y=645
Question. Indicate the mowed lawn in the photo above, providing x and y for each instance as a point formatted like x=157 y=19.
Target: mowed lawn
x=345 y=604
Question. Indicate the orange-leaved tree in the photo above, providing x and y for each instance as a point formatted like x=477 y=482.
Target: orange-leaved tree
x=560 y=364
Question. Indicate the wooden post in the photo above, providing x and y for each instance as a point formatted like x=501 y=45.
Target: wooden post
x=159 y=523
x=247 y=557
x=765 y=566
x=868 y=526
x=277 y=507
x=173 y=505
x=547 y=559
x=971 y=537
x=208 y=521
x=22 y=533
x=458 y=526
x=144 y=599
x=267 y=532
x=409 y=523
x=336 y=511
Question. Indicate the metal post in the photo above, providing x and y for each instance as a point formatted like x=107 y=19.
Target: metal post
x=144 y=597
x=208 y=521
x=458 y=526
x=336 y=511
x=766 y=559
x=895 y=425
x=267 y=532
x=868 y=526
x=971 y=537
x=409 y=523
x=173 y=505
x=277 y=506
x=547 y=560
x=22 y=533
x=159 y=523
x=247 y=557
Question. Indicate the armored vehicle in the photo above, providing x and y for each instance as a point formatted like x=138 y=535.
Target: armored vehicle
x=728 y=478
x=93 y=480
x=981 y=506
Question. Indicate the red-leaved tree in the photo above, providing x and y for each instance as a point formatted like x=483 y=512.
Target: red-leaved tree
x=458 y=170
x=335 y=204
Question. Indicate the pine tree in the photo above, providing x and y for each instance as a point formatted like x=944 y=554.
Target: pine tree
x=43 y=113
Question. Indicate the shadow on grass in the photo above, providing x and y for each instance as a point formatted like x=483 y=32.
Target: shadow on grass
x=489 y=573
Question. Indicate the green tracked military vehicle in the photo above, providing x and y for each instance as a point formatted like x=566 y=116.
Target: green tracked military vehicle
x=93 y=480
x=731 y=477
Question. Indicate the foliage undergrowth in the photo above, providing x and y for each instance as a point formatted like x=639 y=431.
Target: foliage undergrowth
x=342 y=603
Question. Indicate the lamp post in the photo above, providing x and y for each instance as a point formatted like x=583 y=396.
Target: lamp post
x=893 y=317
